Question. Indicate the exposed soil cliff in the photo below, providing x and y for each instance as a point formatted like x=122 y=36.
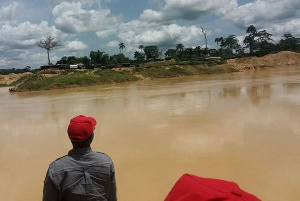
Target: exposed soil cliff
x=281 y=59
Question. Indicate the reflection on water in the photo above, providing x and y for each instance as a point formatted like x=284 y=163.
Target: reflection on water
x=241 y=127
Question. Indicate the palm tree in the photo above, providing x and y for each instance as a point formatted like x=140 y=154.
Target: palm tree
x=121 y=46
x=179 y=47
x=218 y=40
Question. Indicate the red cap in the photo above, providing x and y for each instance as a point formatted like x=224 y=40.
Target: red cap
x=81 y=128
x=192 y=188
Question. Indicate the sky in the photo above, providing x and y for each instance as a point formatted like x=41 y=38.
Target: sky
x=90 y=25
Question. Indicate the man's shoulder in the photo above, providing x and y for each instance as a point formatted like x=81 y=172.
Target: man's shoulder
x=59 y=160
x=102 y=155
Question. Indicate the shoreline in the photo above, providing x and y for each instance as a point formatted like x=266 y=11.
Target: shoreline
x=81 y=78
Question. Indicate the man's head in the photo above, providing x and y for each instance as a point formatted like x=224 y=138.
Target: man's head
x=81 y=129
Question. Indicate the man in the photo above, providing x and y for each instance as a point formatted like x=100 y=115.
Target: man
x=82 y=174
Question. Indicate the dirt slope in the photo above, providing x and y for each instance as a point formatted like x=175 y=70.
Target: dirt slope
x=281 y=59
x=12 y=77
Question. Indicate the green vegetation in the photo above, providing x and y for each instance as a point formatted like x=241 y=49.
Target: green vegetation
x=73 y=79
x=15 y=70
x=77 y=78
x=112 y=76
x=161 y=72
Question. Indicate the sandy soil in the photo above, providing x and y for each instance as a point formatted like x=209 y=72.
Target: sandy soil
x=281 y=59
x=12 y=77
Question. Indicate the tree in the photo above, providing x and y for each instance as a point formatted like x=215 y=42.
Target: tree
x=218 y=40
x=179 y=47
x=99 y=58
x=86 y=62
x=170 y=54
x=231 y=43
x=48 y=43
x=141 y=47
x=139 y=57
x=119 y=58
x=121 y=46
x=289 y=42
x=151 y=52
x=204 y=33
x=264 y=47
x=249 y=40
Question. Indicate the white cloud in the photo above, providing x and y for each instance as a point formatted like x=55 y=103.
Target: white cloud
x=8 y=12
x=25 y=35
x=106 y=33
x=75 y=46
x=113 y=44
x=164 y=37
x=75 y=18
x=291 y=26
x=262 y=13
x=185 y=9
x=18 y=43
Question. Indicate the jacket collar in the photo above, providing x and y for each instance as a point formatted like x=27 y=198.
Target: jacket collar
x=80 y=151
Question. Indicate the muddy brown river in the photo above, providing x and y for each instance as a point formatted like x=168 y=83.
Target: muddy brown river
x=242 y=127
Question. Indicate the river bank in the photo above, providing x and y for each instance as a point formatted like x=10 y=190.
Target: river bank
x=47 y=80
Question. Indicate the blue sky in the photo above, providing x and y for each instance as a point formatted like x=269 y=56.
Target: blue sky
x=87 y=25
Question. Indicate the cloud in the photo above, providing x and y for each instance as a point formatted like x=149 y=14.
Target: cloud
x=165 y=37
x=262 y=13
x=113 y=44
x=25 y=35
x=76 y=17
x=8 y=12
x=75 y=46
x=18 y=42
x=185 y=9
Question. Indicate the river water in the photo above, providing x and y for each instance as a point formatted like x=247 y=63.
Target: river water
x=242 y=127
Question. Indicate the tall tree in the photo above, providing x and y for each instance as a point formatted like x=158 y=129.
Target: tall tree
x=249 y=40
x=262 y=41
x=179 y=47
x=218 y=40
x=48 y=43
x=99 y=57
x=231 y=44
x=289 y=42
x=170 y=53
x=121 y=46
x=204 y=33
x=139 y=57
x=151 y=52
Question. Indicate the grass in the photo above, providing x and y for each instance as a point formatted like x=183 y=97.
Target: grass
x=75 y=79
x=78 y=78
x=111 y=76
x=161 y=72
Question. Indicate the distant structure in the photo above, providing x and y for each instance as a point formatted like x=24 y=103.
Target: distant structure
x=63 y=66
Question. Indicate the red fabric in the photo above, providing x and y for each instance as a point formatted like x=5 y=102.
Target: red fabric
x=81 y=128
x=193 y=188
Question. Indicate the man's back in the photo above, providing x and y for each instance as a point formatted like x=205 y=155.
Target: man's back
x=81 y=175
